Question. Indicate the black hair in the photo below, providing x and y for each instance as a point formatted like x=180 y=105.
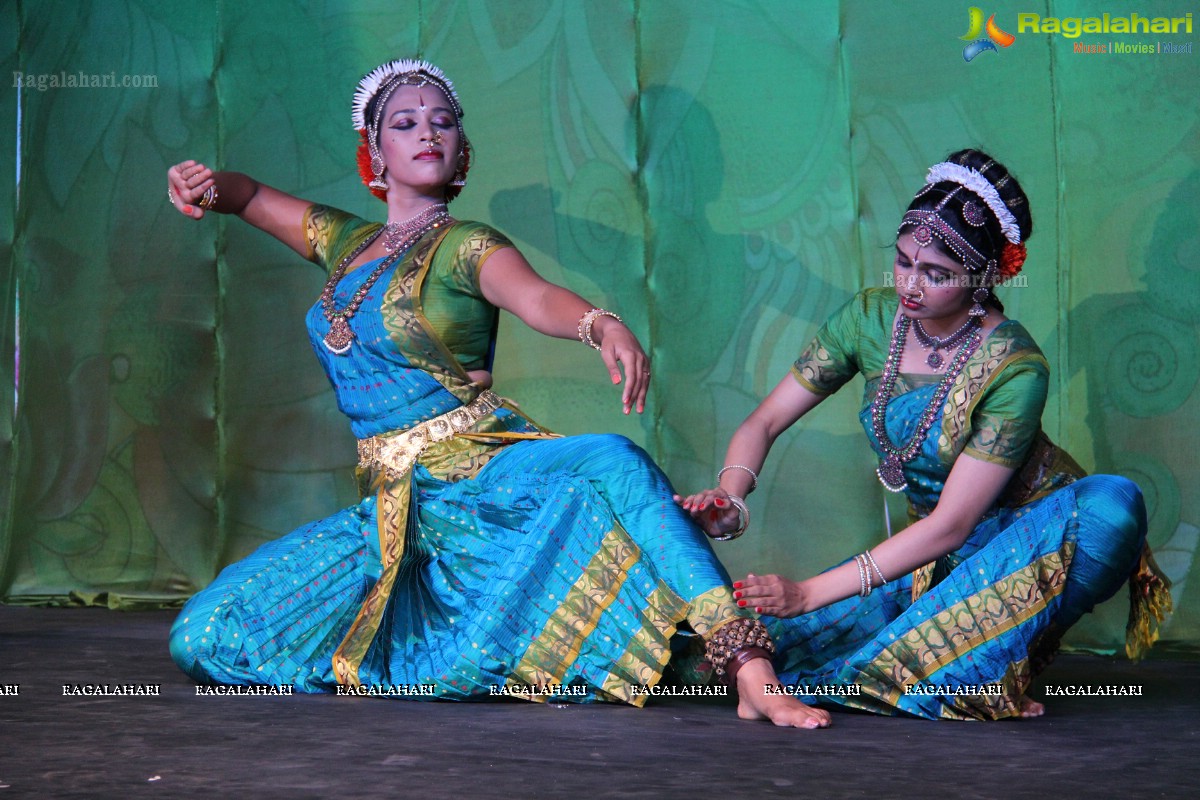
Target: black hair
x=988 y=239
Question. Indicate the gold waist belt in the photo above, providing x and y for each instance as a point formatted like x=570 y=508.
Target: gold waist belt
x=395 y=453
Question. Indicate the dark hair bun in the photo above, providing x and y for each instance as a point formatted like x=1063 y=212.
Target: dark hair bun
x=987 y=238
x=1006 y=185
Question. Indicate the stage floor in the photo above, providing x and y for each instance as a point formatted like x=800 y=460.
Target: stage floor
x=180 y=745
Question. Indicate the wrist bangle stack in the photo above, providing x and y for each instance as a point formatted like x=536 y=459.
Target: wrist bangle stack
x=866 y=566
x=588 y=320
x=743 y=520
x=209 y=198
x=753 y=474
x=864 y=576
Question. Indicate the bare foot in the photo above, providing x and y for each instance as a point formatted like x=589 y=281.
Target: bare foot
x=1031 y=708
x=781 y=709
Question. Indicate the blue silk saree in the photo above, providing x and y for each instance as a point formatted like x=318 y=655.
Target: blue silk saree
x=501 y=560
x=963 y=638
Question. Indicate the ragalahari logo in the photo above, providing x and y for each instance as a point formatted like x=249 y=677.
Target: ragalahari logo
x=994 y=37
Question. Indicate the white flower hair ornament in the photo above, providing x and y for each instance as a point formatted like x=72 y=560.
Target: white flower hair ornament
x=412 y=72
x=983 y=188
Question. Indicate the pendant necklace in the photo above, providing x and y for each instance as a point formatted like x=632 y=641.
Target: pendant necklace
x=891 y=466
x=398 y=238
x=935 y=343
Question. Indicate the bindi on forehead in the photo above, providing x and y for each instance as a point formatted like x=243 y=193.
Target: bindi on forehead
x=410 y=99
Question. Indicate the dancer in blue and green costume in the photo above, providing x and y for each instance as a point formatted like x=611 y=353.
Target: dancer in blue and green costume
x=1009 y=543
x=487 y=556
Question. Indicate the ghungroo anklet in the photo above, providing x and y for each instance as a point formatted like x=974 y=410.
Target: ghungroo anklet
x=736 y=643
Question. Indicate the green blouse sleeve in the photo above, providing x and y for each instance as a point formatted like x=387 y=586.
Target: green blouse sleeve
x=332 y=234
x=832 y=358
x=452 y=299
x=1007 y=419
x=463 y=253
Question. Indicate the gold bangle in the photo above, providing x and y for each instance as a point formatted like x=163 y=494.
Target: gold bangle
x=588 y=320
x=209 y=199
x=859 y=562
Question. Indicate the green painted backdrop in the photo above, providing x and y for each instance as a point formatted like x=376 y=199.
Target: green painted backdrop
x=722 y=172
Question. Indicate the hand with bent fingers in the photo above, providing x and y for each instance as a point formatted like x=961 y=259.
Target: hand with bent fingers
x=712 y=510
x=771 y=594
x=187 y=182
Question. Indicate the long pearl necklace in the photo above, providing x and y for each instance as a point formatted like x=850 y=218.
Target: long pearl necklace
x=891 y=466
x=402 y=236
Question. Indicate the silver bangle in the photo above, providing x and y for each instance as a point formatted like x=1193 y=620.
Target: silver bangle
x=871 y=560
x=743 y=520
x=753 y=474
x=588 y=320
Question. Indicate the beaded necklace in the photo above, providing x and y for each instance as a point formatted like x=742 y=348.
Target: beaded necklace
x=935 y=360
x=340 y=336
x=398 y=235
x=891 y=466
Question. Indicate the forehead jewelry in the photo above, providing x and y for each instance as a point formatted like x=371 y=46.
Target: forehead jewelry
x=928 y=225
x=405 y=72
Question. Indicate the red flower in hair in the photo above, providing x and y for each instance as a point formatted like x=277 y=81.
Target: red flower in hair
x=1012 y=257
x=364 y=165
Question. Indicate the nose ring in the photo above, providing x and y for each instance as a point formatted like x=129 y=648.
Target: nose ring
x=436 y=139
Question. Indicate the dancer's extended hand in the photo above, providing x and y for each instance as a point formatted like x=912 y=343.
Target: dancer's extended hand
x=186 y=183
x=621 y=350
x=771 y=594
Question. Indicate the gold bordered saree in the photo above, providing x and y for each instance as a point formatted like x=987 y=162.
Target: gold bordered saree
x=486 y=557
x=962 y=638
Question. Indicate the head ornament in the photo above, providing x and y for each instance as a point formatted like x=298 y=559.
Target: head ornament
x=380 y=83
x=975 y=181
x=401 y=72
x=928 y=225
